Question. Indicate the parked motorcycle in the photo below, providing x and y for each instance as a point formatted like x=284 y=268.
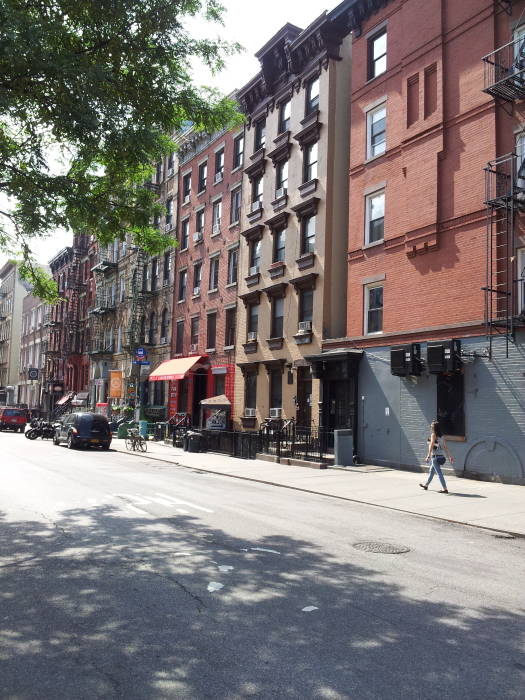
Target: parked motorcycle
x=43 y=430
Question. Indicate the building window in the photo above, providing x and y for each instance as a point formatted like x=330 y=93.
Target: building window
x=281 y=176
x=312 y=96
x=220 y=384
x=186 y=187
x=250 y=390
x=520 y=279
x=257 y=189
x=285 y=109
x=451 y=403
x=211 y=331
x=235 y=208
x=277 y=317
x=252 y=321
x=199 y=221
x=308 y=234
x=122 y=288
x=219 y=165
x=164 y=321
x=184 y=234
x=260 y=134
x=183 y=278
x=375 y=217
x=230 y=326
x=169 y=212
x=376 y=131
x=214 y=275
x=373 y=309
x=194 y=330
x=216 y=216
x=203 y=174
x=233 y=265
x=142 y=334
x=154 y=273
x=166 y=268
x=238 y=151
x=197 y=275
x=279 y=244
x=310 y=162
x=255 y=256
x=158 y=393
x=276 y=388
x=179 y=338
x=152 y=329
x=377 y=54
x=306 y=305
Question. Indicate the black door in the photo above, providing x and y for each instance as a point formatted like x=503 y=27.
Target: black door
x=304 y=397
x=339 y=404
x=200 y=379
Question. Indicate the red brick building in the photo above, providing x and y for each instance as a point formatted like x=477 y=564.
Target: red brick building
x=436 y=97
x=205 y=291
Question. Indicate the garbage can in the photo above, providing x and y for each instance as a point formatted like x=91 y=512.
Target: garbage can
x=195 y=441
x=143 y=428
x=343 y=447
x=184 y=442
x=123 y=428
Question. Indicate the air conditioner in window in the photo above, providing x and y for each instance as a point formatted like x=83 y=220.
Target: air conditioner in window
x=252 y=335
x=167 y=227
x=170 y=172
x=280 y=193
x=305 y=326
x=219 y=177
x=162 y=341
x=193 y=347
x=196 y=291
x=249 y=412
x=276 y=412
x=256 y=206
x=186 y=199
x=197 y=236
x=216 y=227
x=254 y=270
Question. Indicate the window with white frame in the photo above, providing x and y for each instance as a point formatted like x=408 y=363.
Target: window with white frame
x=310 y=162
x=374 y=217
x=233 y=264
x=373 y=321
x=377 y=54
x=376 y=131
x=184 y=234
x=217 y=215
x=214 y=275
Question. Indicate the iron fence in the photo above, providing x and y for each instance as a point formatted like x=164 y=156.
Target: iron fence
x=306 y=443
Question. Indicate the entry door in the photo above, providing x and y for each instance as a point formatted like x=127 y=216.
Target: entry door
x=339 y=404
x=304 y=397
x=200 y=379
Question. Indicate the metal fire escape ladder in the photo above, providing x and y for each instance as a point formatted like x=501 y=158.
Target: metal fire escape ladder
x=139 y=295
x=504 y=193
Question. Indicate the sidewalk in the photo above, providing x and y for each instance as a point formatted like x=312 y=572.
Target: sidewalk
x=499 y=507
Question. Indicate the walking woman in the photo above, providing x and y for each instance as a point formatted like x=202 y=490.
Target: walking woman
x=436 y=446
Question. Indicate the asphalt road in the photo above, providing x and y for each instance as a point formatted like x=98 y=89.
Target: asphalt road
x=122 y=577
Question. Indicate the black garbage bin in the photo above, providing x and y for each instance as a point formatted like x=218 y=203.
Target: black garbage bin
x=195 y=441
x=185 y=441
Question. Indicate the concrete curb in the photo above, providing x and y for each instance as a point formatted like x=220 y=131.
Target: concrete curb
x=517 y=535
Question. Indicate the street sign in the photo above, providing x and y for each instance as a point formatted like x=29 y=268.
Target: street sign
x=32 y=373
x=140 y=353
x=141 y=362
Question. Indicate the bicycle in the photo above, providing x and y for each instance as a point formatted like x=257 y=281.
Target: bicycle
x=135 y=441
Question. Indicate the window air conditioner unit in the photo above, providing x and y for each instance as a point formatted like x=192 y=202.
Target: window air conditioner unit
x=252 y=335
x=444 y=356
x=196 y=291
x=162 y=341
x=254 y=270
x=280 y=193
x=275 y=412
x=197 y=236
x=219 y=177
x=405 y=360
x=249 y=412
x=186 y=199
x=167 y=227
x=216 y=227
x=170 y=172
x=193 y=347
x=305 y=326
x=256 y=206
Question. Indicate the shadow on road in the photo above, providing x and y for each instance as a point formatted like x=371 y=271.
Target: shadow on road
x=102 y=605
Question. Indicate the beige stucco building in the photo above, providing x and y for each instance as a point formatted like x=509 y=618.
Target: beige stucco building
x=12 y=293
x=293 y=249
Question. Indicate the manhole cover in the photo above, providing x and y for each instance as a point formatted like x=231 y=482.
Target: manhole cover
x=381 y=547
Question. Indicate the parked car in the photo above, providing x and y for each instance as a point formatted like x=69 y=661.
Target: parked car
x=83 y=430
x=13 y=419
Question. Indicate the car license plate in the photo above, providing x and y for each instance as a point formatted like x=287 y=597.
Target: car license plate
x=94 y=440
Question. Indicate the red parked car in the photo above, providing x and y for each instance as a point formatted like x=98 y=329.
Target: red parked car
x=13 y=418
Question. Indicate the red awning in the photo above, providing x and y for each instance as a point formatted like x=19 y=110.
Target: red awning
x=64 y=399
x=178 y=368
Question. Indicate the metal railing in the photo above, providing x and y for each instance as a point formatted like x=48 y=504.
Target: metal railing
x=305 y=443
x=504 y=71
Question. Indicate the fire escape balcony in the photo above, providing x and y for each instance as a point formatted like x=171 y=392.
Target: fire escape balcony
x=104 y=265
x=504 y=71
x=102 y=307
x=51 y=322
x=505 y=181
x=99 y=348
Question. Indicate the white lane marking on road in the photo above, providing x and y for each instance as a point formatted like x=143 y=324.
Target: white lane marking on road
x=262 y=549
x=225 y=568
x=181 y=510
x=136 y=510
x=184 y=503
x=182 y=554
x=309 y=608
x=215 y=586
x=140 y=500
x=160 y=501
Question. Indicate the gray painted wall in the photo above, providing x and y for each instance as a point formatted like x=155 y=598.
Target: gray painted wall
x=494 y=412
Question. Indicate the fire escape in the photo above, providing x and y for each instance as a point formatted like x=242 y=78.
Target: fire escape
x=100 y=342
x=504 y=198
x=135 y=332
x=75 y=286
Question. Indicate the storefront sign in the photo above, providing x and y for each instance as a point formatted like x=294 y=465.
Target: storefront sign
x=115 y=384
x=217 y=421
x=172 y=399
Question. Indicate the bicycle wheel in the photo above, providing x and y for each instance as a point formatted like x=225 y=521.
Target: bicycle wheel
x=129 y=444
x=143 y=445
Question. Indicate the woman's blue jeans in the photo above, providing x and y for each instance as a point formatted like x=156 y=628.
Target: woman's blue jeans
x=435 y=469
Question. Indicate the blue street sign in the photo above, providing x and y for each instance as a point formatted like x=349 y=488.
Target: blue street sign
x=140 y=353
x=141 y=362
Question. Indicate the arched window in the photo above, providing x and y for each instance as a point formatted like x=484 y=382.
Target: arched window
x=164 y=326
x=152 y=329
